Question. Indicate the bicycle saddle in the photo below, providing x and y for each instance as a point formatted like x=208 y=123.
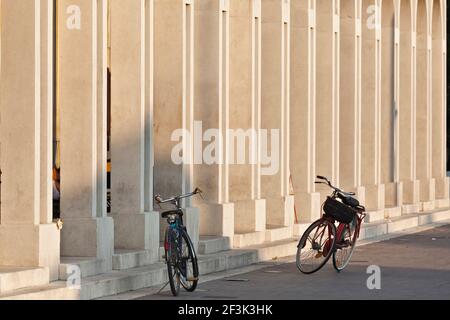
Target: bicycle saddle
x=172 y=212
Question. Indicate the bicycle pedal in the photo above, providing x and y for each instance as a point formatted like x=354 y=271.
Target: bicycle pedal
x=192 y=279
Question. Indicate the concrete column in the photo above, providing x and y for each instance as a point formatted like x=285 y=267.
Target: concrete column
x=134 y=227
x=406 y=107
x=212 y=111
x=423 y=106
x=46 y=143
x=303 y=110
x=275 y=114
x=87 y=231
x=174 y=104
x=327 y=104
x=371 y=105
x=350 y=97
x=390 y=40
x=245 y=115
x=439 y=115
x=27 y=236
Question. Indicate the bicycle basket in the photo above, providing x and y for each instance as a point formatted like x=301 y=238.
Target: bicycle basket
x=338 y=211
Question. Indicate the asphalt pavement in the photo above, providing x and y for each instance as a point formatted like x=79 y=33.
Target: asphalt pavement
x=414 y=266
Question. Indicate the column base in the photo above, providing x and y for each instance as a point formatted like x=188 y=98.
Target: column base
x=428 y=205
x=308 y=207
x=442 y=203
x=393 y=194
x=442 y=188
x=250 y=216
x=411 y=197
x=31 y=246
x=360 y=193
x=375 y=197
x=427 y=190
x=411 y=192
x=428 y=194
x=393 y=200
x=217 y=220
x=280 y=211
x=89 y=237
x=137 y=232
x=191 y=220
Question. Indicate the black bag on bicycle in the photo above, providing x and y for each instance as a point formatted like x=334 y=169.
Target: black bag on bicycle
x=338 y=210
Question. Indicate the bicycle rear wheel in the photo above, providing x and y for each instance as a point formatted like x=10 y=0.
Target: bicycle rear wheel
x=316 y=246
x=345 y=246
x=171 y=249
x=188 y=265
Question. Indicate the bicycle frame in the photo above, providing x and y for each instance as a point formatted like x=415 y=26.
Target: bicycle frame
x=359 y=220
x=338 y=193
x=175 y=221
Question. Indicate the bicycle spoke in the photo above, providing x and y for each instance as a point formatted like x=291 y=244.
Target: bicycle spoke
x=343 y=255
x=312 y=254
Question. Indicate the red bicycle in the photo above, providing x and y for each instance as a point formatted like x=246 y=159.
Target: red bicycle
x=323 y=239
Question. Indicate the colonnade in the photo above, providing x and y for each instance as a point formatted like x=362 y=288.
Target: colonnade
x=350 y=89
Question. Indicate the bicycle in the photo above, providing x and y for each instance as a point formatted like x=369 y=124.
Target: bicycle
x=323 y=239
x=180 y=256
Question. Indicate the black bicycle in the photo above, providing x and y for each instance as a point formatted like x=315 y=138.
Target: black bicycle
x=180 y=256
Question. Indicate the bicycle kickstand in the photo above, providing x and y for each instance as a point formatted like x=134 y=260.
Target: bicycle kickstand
x=163 y=288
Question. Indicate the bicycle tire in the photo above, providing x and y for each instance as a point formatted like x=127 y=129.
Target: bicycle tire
x=328 y=225
x=342 y=265
x=172 y=262
x=191 y=279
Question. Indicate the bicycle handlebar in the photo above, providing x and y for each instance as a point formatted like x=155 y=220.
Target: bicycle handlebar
x=160 y=200
x=328 y=183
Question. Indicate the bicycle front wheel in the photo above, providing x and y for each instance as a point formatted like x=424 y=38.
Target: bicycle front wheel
x=316 y=246
x=188 y=264
x=345 y=246
x=172 y=258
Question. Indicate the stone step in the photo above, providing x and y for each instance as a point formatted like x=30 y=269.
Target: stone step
x=156 y=274
x=434 y=216
x=428 y=205
x=248 y=239
x=276 y=233
x=442 y=203
x=403 y=223
x=14 y=278
x=373 y=230
x=116 y=282
x=88 y=266
x=374 y=216
x=275 y=250
x=392 y=212
x=227 y=260
x=209 y=245
x=55 y=291
x=129 y=259
x=411 y=208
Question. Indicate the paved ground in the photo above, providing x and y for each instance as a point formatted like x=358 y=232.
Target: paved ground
x=413 y=266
